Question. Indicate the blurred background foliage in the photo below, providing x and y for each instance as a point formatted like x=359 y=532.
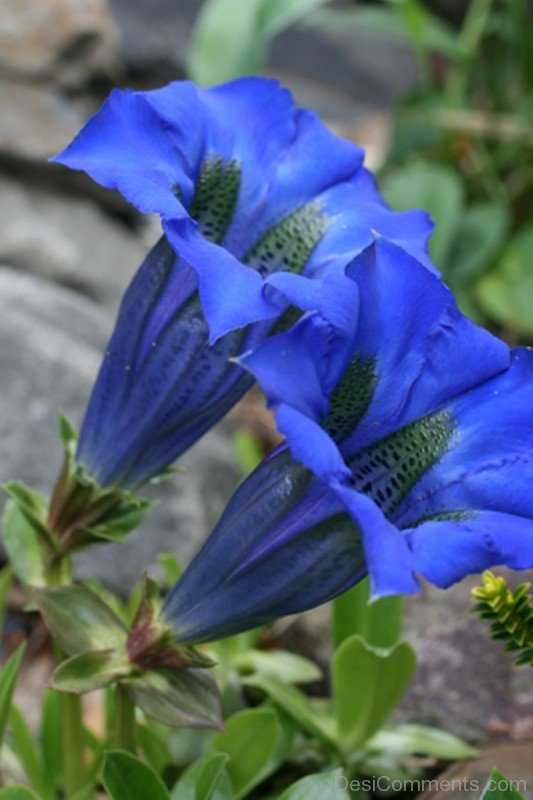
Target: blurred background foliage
x=460 y=146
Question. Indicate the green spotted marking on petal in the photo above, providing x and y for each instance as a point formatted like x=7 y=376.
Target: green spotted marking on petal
x=214 y=202
x=388 y=470
x=287 y=246
x=350 y=398
x=459 y=515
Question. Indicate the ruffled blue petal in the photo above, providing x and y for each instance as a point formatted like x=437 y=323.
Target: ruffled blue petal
x=301 y=367
x=358 y=213
x=282 y=546
x=127 y=146
x=232 y=295
x=445 y=551
x=247 y=185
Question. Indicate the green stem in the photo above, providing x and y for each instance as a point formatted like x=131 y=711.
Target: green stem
x=73 y=743
x=124 y=721
x=470 y=37
x=59 y=571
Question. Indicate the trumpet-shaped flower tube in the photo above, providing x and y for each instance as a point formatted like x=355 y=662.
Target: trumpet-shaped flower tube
x=249 y=188
x=408 y=452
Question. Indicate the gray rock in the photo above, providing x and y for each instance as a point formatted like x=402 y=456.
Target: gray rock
x=51 y=341
x=67 y=40
x=68 y=240
x=40 y=122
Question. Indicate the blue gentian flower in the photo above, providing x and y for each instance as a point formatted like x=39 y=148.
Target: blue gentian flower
x=408 y=452
x=248 y=187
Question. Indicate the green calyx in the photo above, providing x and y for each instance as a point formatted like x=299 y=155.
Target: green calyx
x=167 y=682
x=151 y=643
x=39 y=536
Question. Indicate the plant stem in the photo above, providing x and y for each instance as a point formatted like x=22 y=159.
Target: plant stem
x=124 y=721
x=73 y=743
x=470 y=37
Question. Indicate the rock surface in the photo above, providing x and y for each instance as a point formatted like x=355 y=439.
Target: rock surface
x=68 y=240
x=51 y=343
x=68 y=40
x=40 y=122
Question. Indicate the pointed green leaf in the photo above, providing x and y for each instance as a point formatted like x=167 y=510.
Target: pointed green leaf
x=481 y=235
x=286 y=667
x=367 y=685
x=6 y=580
x=171 y=567
x=79 y=620
x=378 y=623
x=500 y=788
x=154 y=745
x=89 y=671
x=28 y=755
x=250 y=741
x=126 y=778
x=50 y=736
x=17 y=793
x=178 y=698
x=22 y=546
x=67 y=432
x=330 y=785
x=294 y=703
x=227 y=41
x=201 y=780
x=504 y=293
x=8 y=679
x=404 y=740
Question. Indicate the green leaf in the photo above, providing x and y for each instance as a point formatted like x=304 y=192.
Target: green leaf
x=294 y=703
x=89 y=671
x=67 y=433
x=247 y=450
x=480 y=237
x=500 y=788
x=204 y=779
x=251 y=741
x=278 y=15
x=28 y=755
x=405 y=740
x=227 y=41
x=378 y=623
x=330 y=785
x=79 y=620
x=438 y=190
x=50 y=736
x=505 y=292
x=231 y=38
x=171 y=567
x=154 y=746
x=17 y=793
x=22 y=546
x=6 y=580
x=286 y=667
x=178 y=698
x=8 y=679
x=126 y=778
x=367 y=685
x=430 y=32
